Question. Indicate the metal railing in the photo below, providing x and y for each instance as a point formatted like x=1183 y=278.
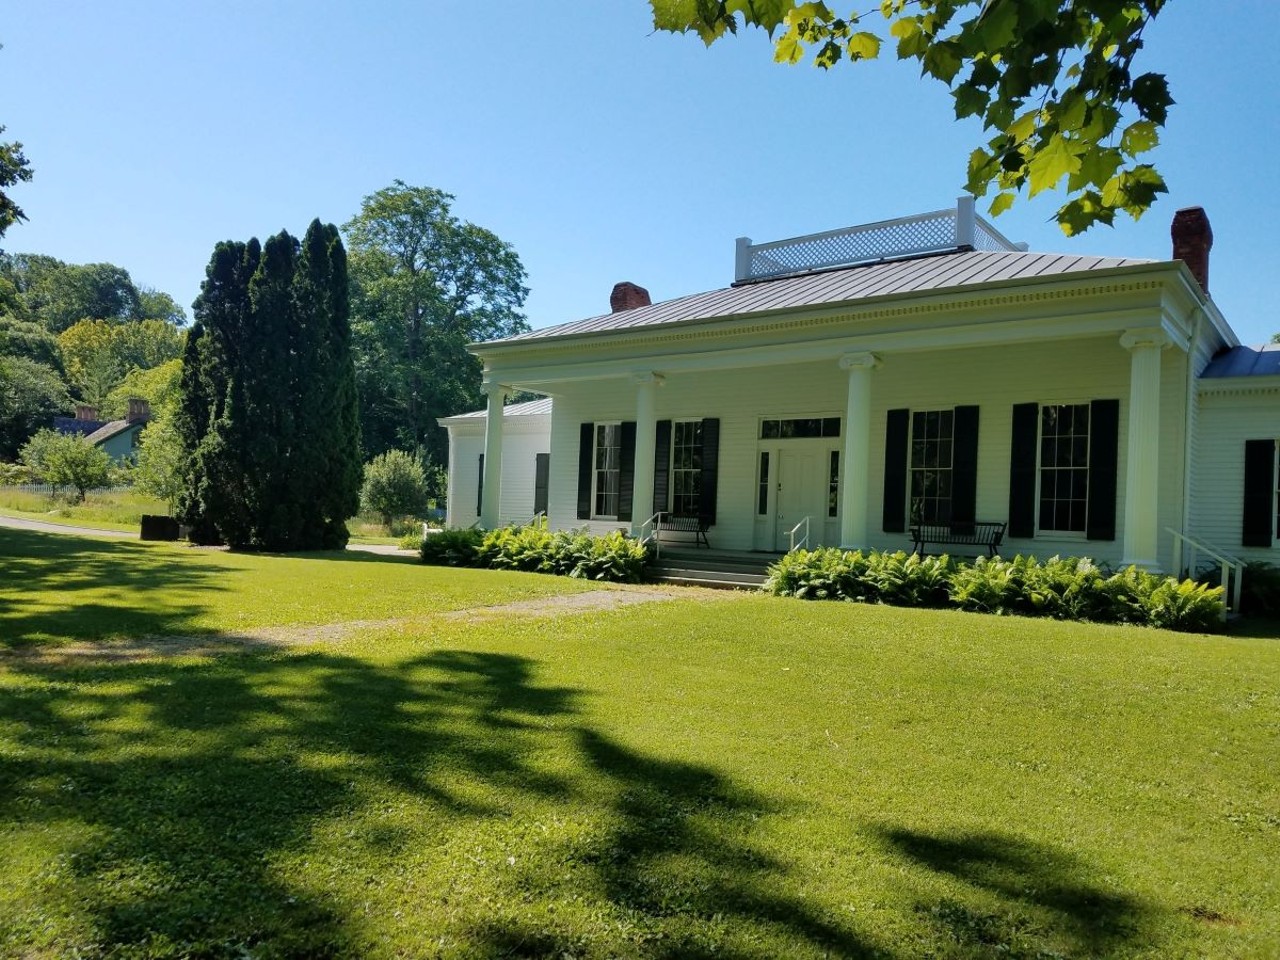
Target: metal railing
x=653 y=524
x=804 y=541
x=938 y=231
x=1232 y=568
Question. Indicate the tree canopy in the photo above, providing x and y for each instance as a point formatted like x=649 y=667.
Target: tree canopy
x=14 y=168
x=1052 y=81
x=424 y=284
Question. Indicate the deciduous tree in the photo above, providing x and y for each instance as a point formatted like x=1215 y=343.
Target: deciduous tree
x=14 y=168
x=67 y=460
x=424 y=284
x=31 y=394
x=1054 y=83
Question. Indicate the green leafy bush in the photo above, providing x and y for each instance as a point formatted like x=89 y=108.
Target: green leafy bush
x=411 y=540
x=534 y=549
x=1063 y=588
x=395 y=486
x=452 y=548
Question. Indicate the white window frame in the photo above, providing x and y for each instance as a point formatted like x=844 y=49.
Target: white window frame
x=695 y=422
x=1051 y=532
x=912 y=469
x=596 y=471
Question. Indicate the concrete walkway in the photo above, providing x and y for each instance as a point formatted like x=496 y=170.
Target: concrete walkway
x=44 y=526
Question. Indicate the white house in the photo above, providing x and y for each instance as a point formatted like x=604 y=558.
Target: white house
x=926 y=368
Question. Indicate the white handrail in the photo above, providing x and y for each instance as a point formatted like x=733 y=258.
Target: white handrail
x=804 y=541
x=539 y=518
x=1227 y=563
x=654 y=524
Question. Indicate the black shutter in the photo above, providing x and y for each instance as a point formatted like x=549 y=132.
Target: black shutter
x=627 y=470
x=662 y=467
x=1259 y=493
x=895 y=471
x=710 y=468
x=1104 y=442
x=586 y=448
x=1022 y=469
x=541 y=481
x=964 y=470
x=480 y=488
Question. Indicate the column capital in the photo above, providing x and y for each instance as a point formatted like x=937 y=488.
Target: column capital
x=1145 y=337
x=496 y=389
x=859 y=361
x=648 y=376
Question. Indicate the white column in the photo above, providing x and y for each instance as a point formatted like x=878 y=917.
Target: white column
x=491 y=503
x=855 y=477
x=646 y=447
x=1142 y=469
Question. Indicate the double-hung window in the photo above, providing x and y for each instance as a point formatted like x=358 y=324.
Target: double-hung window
x=686 y=467
x=1064 y=467
x=932 y=443
x=608 y=465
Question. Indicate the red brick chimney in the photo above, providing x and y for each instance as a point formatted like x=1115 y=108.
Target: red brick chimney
x=1192 y=241
x=86 y=412
x=139 y=411
x=627 y=296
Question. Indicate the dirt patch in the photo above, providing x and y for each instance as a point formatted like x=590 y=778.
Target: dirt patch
x=572 y=604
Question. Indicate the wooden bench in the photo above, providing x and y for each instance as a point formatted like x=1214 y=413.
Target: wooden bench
x=970 y=534
x=698 y=526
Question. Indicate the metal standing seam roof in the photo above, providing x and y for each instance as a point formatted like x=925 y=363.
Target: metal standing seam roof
x=530 y=408
x=843 y=285
x=1261 y=361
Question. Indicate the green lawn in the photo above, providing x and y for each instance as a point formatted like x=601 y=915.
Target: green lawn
x=750 y=777
x=101 y=509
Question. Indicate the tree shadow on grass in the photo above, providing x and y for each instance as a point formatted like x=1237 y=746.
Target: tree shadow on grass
x=178 y=789
x=1047 y=904
x=138 y=589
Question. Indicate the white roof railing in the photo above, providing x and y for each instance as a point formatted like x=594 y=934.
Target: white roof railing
x=940 y=231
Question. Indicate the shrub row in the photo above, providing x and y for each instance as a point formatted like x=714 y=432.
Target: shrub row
x=534 y=549
x=1067 y=589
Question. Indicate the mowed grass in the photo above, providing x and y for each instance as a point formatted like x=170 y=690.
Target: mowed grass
x=116 y=509
x=747 y=777
x=56 y=588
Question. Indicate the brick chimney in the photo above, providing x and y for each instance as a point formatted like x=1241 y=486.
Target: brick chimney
x=627 y=296
x=139 y=411
x=86 y=412
x=1192 y=241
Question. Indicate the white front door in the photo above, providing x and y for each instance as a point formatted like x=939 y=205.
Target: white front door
x=801 y=493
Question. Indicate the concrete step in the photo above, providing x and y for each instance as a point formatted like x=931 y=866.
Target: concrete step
x=714 y=581
x=750 y=577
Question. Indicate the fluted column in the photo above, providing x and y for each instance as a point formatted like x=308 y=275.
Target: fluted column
x=855 y=476
x=646 y=447
x=1142 y=469
x=491 y=503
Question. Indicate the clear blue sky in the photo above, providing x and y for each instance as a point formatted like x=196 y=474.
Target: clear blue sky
x=600 y=150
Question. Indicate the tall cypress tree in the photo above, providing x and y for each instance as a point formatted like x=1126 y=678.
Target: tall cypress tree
x=270 y=420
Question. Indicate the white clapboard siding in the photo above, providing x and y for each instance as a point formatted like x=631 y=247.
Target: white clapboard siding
x=1230 y=413
x=523 y=438
x=993 y=378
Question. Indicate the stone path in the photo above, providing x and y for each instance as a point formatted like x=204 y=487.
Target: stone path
x=602 y=600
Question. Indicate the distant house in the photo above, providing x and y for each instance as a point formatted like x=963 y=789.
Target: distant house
x=855 y=382
x=119 y=438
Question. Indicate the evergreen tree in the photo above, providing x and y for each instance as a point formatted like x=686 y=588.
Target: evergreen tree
x=269 y=418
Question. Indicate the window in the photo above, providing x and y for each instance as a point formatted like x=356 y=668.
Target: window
x=1064 y=467
x=762 y=505
x=608 y=469
x=932 y=440
x=800 y=429
x=833 y=484
x=686 y=468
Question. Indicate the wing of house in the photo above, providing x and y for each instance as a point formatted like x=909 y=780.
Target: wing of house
x=923 y=369
x=118 y=438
